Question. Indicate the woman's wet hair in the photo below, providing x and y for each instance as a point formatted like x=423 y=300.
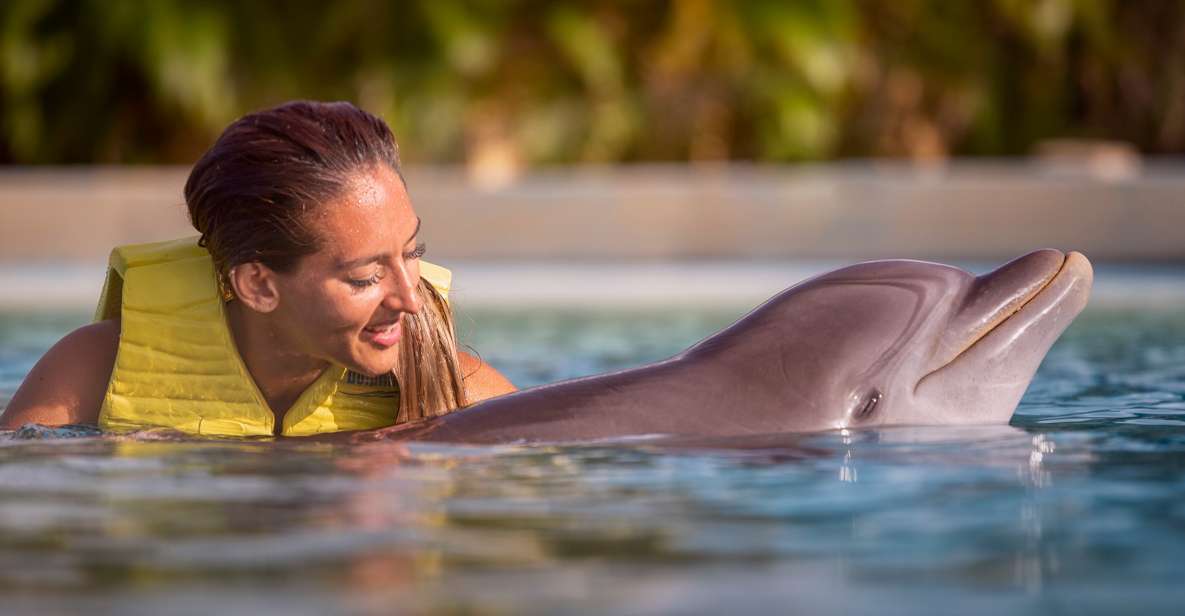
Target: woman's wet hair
x=251 y=193
x=251 y=196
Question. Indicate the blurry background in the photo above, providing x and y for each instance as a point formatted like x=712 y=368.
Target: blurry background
x=546 y=134
x=535 y=82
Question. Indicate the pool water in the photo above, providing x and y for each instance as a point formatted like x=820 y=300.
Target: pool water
x=1078 y=506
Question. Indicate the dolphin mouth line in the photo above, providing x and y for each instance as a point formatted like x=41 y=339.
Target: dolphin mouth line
x=1005 y=315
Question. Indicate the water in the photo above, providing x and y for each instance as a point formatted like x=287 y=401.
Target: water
x=1077 y=507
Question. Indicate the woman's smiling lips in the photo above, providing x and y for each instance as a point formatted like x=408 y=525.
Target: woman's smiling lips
x=385 y=335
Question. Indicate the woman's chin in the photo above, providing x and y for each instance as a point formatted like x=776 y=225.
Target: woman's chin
x=371 y=364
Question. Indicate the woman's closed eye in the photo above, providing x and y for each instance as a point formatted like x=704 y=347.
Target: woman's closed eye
x=363 y=281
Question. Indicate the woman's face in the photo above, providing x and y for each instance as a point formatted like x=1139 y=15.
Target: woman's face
x=344 y=303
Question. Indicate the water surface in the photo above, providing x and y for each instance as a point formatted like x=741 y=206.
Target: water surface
x=1078 y=506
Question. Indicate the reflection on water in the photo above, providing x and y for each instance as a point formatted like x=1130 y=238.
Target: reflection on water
x=1076 y=506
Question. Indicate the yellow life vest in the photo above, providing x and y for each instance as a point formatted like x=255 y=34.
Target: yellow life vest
x=177 y=365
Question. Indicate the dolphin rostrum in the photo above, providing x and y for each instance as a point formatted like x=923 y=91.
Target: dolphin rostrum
x=879 y=343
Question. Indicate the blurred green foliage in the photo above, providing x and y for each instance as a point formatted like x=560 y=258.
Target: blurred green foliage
x=546 y=82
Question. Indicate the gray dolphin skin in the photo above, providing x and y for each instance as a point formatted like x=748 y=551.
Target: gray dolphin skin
x=874 y=344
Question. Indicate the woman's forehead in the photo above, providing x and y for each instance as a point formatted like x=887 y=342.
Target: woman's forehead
x=374 y=214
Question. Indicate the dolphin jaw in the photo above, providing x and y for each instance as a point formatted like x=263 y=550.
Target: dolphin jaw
x=994 y=320
x=1059 y=300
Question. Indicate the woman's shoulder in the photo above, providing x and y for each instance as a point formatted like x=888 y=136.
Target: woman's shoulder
x=88 y=343
x=68 y=383
x=93 y=336
x=482 y=380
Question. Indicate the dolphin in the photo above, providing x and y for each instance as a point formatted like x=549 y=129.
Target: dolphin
x=895 y=342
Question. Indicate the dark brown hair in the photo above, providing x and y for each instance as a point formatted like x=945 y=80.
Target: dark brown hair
x=251 y=195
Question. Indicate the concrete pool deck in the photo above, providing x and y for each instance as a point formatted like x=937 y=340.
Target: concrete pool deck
x=961 y=210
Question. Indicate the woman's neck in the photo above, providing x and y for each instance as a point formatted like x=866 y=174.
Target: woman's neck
x=280 y=373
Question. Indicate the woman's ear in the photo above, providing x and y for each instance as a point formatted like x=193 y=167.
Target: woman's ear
x=254 y=284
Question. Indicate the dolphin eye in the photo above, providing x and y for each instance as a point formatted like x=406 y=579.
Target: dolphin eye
x=870 y=401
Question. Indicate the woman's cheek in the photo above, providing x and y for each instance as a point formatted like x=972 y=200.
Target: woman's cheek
x=355 y=310
x=330 y=310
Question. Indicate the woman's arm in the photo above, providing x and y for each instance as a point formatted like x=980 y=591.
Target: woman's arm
x=482 y=380
x=68 y=384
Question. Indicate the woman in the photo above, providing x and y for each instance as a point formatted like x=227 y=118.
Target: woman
x=302 y=308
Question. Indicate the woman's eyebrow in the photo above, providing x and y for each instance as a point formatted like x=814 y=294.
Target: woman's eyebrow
x=363 y=261
x=419 y=221
x=380 y=256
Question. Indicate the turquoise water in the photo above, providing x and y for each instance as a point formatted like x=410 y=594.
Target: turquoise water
x=1077 y=507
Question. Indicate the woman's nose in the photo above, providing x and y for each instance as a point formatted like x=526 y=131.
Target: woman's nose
x=403 y=294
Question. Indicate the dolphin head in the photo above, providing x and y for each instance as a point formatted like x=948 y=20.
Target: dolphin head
x=896 y=343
